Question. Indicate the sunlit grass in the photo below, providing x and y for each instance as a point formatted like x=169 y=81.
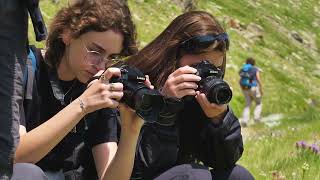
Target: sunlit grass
x=289 y=82
x=273 y=150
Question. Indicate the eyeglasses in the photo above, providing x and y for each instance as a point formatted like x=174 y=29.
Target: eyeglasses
x=95 y=58
x=198 y=43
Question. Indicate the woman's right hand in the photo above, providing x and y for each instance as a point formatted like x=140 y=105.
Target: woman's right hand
x=102 y=94
x=181 y=82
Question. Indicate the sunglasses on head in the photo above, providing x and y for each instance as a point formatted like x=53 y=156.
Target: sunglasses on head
x=198 y=43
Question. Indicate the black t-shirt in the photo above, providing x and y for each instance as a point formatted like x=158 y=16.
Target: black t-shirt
x=96 y=128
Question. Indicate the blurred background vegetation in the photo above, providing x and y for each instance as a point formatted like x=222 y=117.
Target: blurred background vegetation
x=284 y=38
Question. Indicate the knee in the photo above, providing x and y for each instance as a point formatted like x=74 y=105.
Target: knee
x=27 y=171
x=236 y=173
x=240 y=173
x=186 y=171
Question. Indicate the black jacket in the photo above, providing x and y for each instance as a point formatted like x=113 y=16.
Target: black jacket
x=218 y=146
x=192 y=138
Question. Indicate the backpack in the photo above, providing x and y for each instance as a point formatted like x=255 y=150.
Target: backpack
x=32 y=65
x=246 y=76
x=30 y=81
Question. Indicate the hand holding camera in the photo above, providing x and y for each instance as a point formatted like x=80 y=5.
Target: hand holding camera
x=102 y=94
x=214 y=111
x=202 y=81
x=130 y=121
x=137 y=93
x=181 y=82
x=203 y=77
x=212 y=85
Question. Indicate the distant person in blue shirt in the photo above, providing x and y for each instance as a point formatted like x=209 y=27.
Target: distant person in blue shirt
x=250 y=83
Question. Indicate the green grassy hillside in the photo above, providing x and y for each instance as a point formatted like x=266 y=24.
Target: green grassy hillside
x=284 y=37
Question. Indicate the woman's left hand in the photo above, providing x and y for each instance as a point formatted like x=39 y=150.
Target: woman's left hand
x=130 y=121
x=148 y=83
x=214 y=111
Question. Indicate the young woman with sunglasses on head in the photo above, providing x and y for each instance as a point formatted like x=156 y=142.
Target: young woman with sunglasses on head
x=65 y=111
x=205 y=131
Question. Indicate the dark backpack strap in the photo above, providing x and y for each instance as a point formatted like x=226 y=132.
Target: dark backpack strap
x=139 y=152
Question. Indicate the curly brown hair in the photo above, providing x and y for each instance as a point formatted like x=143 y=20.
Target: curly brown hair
x=159 y=58
x=90 y=15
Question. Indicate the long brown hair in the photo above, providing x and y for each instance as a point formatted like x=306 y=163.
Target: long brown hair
x=159 y=58
x=90 y=15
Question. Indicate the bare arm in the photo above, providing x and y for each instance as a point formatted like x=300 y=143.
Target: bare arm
x=121 y=165
x=35 y=144
x=103 y=155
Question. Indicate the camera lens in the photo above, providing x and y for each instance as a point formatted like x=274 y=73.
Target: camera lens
x=147 y=104
x=217 y=91
x=143 y=100
x=221 y=95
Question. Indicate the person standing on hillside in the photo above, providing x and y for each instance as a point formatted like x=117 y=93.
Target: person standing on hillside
x=250 y=83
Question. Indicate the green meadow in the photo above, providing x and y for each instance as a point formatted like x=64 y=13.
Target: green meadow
x=284 y=38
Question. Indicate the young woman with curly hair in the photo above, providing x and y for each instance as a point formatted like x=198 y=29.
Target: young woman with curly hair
x=65 y=112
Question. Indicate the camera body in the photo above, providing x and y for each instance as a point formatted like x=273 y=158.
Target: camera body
x=146 y=102
x=211 y=84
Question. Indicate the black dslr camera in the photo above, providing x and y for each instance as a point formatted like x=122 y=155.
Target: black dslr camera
x=211 y=84
x=147 y=102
